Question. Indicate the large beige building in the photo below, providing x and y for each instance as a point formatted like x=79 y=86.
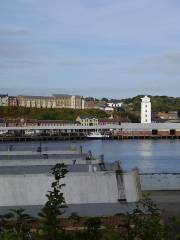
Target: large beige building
x=54 y=101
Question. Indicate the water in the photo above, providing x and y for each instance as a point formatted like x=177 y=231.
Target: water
x=147 y=155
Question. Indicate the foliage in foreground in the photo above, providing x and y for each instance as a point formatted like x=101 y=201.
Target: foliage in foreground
x=146 y=222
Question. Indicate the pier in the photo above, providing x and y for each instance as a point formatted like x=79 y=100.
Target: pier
x=78 y=132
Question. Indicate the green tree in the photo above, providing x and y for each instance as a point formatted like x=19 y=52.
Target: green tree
x=15 y=225
x=54 y=207
x=145 y=223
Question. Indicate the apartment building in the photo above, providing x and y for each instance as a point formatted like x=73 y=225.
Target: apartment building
x=54 y=101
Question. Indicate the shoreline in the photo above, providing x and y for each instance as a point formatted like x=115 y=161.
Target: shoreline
x=81 y=137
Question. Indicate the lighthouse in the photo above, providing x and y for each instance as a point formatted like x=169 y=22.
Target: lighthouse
x=145 y=110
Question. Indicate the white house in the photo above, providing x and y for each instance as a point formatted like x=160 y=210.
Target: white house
x=115 y=105
x=146 y=110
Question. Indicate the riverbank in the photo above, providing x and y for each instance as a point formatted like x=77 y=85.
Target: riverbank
x=79 y=137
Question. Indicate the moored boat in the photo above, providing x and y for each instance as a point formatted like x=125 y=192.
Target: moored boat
x=97 y=135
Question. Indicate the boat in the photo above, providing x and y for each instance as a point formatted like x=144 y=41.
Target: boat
x=96 y=135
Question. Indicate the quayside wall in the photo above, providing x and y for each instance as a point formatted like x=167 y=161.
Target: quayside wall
x=160 y=181
x=82 y=187
x=30 y=189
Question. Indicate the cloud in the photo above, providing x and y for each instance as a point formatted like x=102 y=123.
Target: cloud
x=13 y=50
x=122 y=45
x=21 y=63
x=116 y=22
x=165 y=64
x=70 y=63
x=15 y=32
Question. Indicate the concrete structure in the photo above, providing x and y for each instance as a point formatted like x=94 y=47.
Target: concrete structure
x=87 y=120
x=27 y=182
x=81 y=188
x=145 y=110
x=132 y=186
x=55 y=101
x=123 y=127
x=26 y=177
x=160 y=181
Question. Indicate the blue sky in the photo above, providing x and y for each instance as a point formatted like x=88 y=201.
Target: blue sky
x=113 y=48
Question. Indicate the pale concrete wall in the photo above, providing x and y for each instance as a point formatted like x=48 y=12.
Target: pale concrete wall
x=30 y=189
x=132 y=186
x=160 y=181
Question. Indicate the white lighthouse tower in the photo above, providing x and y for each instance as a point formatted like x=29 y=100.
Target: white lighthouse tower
x=146 y=110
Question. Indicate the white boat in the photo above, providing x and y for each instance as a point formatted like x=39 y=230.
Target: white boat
x=97 y=135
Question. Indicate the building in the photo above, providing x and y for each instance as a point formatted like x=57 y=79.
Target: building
x=68 y=101
x=87 y=120
x=13 y=101
x=146 y=110
x=4 y=100
x=113 y=121
x=115 y=105
x=36 y=102
x=55 y=101
x=55 y=123
x=90 y=104
x=168 y=116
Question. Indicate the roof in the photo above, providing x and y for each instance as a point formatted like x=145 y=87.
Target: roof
x=46 y=169
x=65 y=95
x=149 y=126
x=55 y=121
x=110 y=120
x=61 y=95
x=35 y=97
x=3 y=95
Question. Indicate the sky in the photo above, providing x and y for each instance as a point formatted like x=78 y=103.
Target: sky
x=100 y=48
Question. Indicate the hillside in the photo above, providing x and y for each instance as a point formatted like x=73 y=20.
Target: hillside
x=48 y=114
x=159 y=103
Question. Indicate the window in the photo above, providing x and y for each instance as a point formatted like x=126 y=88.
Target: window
x=154 y=132
x=172 y=132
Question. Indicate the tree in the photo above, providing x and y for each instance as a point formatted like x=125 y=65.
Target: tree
x=145 y=223
x=104 y=99
x=15 y=225
x=54 y=206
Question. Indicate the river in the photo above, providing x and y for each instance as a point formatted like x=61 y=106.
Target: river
x=147 y=155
